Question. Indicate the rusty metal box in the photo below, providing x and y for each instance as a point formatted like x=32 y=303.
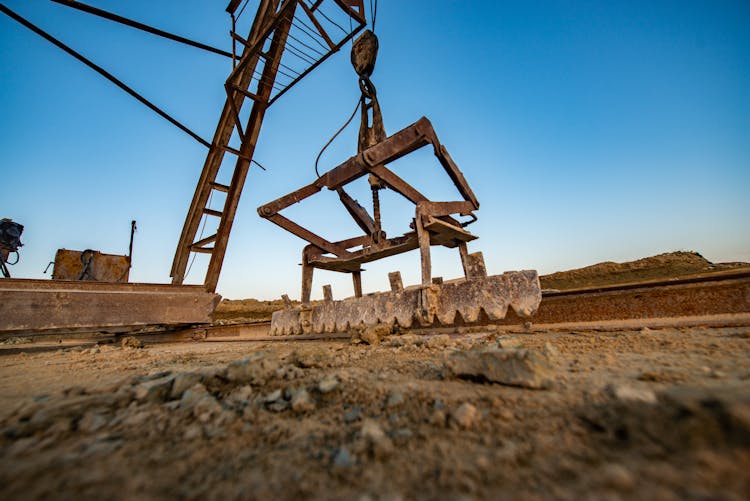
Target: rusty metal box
x=90 y=265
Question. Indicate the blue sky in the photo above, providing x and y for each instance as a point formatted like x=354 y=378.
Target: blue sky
x=590 y=131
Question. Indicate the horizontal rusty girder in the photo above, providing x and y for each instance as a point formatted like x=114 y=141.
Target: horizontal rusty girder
x=688 y=297
x=43 y=305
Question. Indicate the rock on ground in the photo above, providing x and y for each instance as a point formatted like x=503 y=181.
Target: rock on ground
x=523 y=368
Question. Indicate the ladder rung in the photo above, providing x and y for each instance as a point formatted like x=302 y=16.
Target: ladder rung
x=246 y=93
x=219 y=187
x=205 y=241
x=202 y=250
x=212 y=212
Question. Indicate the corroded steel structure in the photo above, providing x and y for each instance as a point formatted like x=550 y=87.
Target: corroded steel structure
x=281 y=30
x=434 y=223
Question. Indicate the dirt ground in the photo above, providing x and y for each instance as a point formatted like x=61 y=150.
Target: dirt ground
x=650 y=414
x=647 y=414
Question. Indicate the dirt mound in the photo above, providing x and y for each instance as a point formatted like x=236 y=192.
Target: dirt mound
x=660 y=267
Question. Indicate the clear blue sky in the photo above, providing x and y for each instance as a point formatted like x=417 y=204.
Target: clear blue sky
x=590 y=131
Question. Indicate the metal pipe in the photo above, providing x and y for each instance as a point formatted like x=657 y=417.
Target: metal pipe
x=140 y=26
x=5 y=10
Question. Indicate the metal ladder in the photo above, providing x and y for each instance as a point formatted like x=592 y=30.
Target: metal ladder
x=270 y=28
x=265 y=44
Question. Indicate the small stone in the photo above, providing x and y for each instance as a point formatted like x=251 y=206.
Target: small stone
x=193 y=431
x=131 y=342
x=629 y=394
x=273 y=396
x=310 y=357
x=302 y=402
x=241 y=396
x=191 y=396
x=254 y=369
x=153 y=376
x=506 y=414
x=278 y=406
x=617 y=476
x=289 y=372
x=203 y=405
x=509 y=342
x=403 y=433
x=182 y=382
x=522 y=368
x=343 y=458
x=483 y=463
x=380 y=445
x=550 y=350
x=91 y=422
x=465 y=416
x=74 y=390
x=374 y=333
x=437 y=418
x=394 y=400
x=353 y=414
x=154 y=391
x=440 y=341
x=404 y=340
x=328 y=384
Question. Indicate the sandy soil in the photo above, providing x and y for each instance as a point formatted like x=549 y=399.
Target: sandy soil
x=652 y=414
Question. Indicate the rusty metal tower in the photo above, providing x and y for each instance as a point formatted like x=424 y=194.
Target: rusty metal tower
x=287 y=41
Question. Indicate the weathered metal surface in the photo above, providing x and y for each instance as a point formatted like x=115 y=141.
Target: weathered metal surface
x=90 y=265
x=418 y=305
x=434 y=222
x=254 y=77
x=40 y=305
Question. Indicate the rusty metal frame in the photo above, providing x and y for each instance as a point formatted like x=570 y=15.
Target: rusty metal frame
x=433 y=223
x=272 y=22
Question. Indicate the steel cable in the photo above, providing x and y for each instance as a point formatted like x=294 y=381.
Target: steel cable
x=354 y=113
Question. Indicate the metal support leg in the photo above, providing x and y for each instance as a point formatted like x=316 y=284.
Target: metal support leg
x=463 y=251
x=424 y=250
x=357 y=279
x=307 y=278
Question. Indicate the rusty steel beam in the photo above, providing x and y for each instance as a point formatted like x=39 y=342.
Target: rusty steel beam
x=720 y=294
x=109 y=76
x=44 y=305
x=141 y=26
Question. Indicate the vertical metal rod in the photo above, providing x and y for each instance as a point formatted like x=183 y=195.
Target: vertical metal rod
x=424 y=250
x=357 y=279
x=464 y=253
x=130 y=247
x=234 y=42
x=307 y=278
